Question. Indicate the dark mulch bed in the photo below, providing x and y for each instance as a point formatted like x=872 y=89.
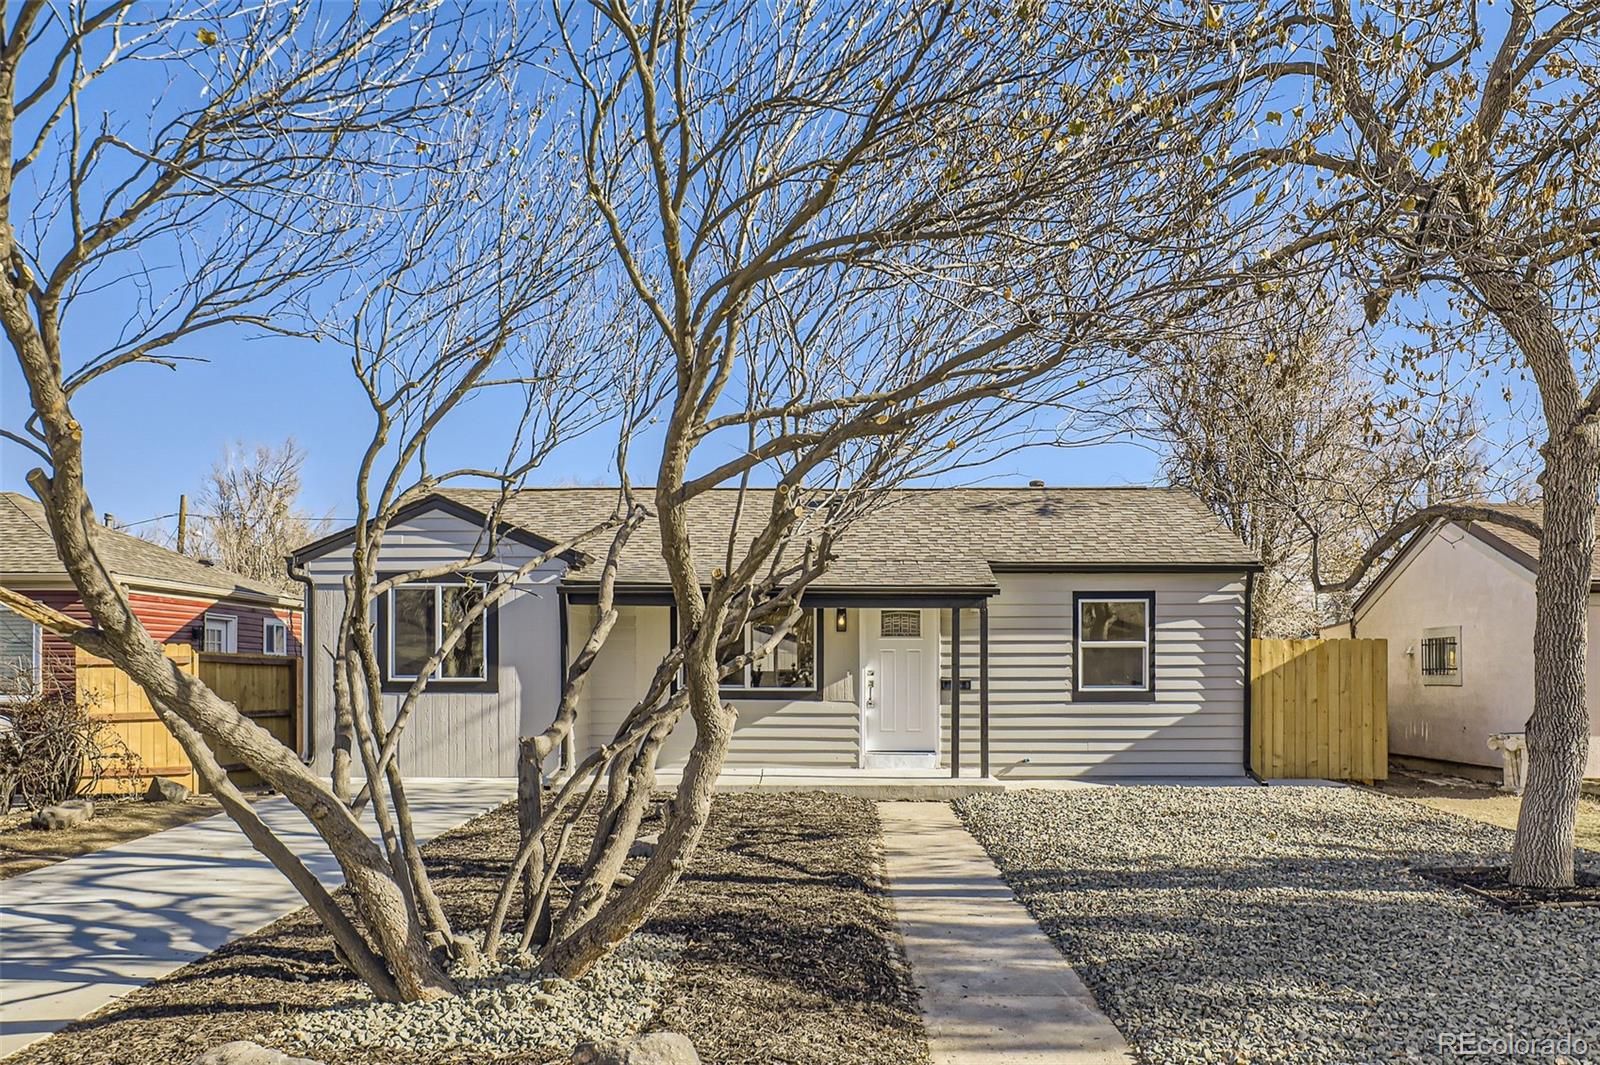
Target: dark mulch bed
x=1491 y=883
x=792 y=952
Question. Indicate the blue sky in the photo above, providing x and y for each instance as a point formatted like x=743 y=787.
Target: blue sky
x=151 y=433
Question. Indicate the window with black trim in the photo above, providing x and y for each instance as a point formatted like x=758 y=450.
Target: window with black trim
x=1114 y=639
x=419 y=616
x=788 y=666
x=1441 y=655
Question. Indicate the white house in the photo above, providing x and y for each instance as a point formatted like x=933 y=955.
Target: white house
x=1102 y=633
x=1457 y=605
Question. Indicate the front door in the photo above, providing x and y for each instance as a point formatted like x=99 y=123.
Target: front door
x=900 y=681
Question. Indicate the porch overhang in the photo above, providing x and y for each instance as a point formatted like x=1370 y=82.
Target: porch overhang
x=940 y=596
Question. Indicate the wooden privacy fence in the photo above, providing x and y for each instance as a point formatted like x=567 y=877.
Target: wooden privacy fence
x=1320 y=708
x=265 y=688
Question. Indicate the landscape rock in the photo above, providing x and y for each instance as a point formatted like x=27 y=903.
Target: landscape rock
x=164 y=790
x=508 y=1008
x=1289 y=924
x=244 y=1052
x=653 y=1048
x=644 y=846
x=65 y=815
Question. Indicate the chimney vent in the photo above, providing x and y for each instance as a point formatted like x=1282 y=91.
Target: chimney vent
x=1035 y=483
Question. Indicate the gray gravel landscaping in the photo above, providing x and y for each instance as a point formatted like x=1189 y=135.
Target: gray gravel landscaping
x=1277 y=924
x=508 y=1010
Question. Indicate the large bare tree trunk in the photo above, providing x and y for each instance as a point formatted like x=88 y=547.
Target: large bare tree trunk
x=1558 y=728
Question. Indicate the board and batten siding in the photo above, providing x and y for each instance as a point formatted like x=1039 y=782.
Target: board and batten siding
x=451 y=733
x=1194 y=727
x=822 y=730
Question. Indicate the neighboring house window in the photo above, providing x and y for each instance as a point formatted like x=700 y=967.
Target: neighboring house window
x=19 y=657
x=790 y=665
x=1441 y=655
x=1114 y=636
x=221 y=634
x=274 y=637
x=420 y=616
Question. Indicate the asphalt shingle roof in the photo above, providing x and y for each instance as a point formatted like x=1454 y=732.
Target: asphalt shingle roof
x=936 y=537
x=27 y=551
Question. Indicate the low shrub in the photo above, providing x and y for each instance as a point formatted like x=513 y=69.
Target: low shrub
x=53 y=747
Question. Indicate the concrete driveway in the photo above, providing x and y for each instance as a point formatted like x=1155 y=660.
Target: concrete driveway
x=77 y=934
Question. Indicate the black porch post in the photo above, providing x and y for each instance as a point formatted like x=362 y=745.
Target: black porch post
x=955 y=691
x=983 y=688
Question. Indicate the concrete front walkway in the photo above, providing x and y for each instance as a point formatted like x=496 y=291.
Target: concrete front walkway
x=994 y=989
x=77 y=934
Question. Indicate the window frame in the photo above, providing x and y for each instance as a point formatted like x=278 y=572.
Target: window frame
x=230 y=632
x=731 y=687
x=393 y=683
x=1120 y=693
x=37 y=670
x=1440 y=632
x=269 y=625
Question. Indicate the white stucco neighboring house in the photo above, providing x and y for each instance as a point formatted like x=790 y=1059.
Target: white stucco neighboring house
x=1102 y=633
x=1457 y=607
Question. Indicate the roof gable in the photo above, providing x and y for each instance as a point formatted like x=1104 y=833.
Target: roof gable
x=439 y=502
x=1511 y=543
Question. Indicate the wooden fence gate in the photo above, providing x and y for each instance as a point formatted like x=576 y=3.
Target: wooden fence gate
x=265 y=688
x=1320 y=708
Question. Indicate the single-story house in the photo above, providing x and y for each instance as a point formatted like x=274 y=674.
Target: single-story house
x=1457 y=606
x=177 y=598
x=1024 y=632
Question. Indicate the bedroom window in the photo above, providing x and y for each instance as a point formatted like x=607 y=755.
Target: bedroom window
x=1441 y=655
x=419 y=616
x=220 y=635
x=790 y=665
x=19 y=657
x=1114 y=637
x=274 y=637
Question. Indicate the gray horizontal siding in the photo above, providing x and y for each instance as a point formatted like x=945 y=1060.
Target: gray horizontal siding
x=449 y=734
x=1194 y=725
x=790 y=732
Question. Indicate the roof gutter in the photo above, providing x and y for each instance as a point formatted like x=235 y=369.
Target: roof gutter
x=308 y=660
x=1249 y=669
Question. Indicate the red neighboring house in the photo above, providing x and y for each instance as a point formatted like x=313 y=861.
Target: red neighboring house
x=178 y=599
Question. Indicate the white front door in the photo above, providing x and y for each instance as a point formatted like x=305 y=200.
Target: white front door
x=900 y=681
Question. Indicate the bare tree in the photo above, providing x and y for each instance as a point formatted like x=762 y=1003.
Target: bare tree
x=491 y=291
x=250 y=518
x=861 y=241
x=286 y=145
x=1449 y=147
x=1271 y=413
x=849 y=247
